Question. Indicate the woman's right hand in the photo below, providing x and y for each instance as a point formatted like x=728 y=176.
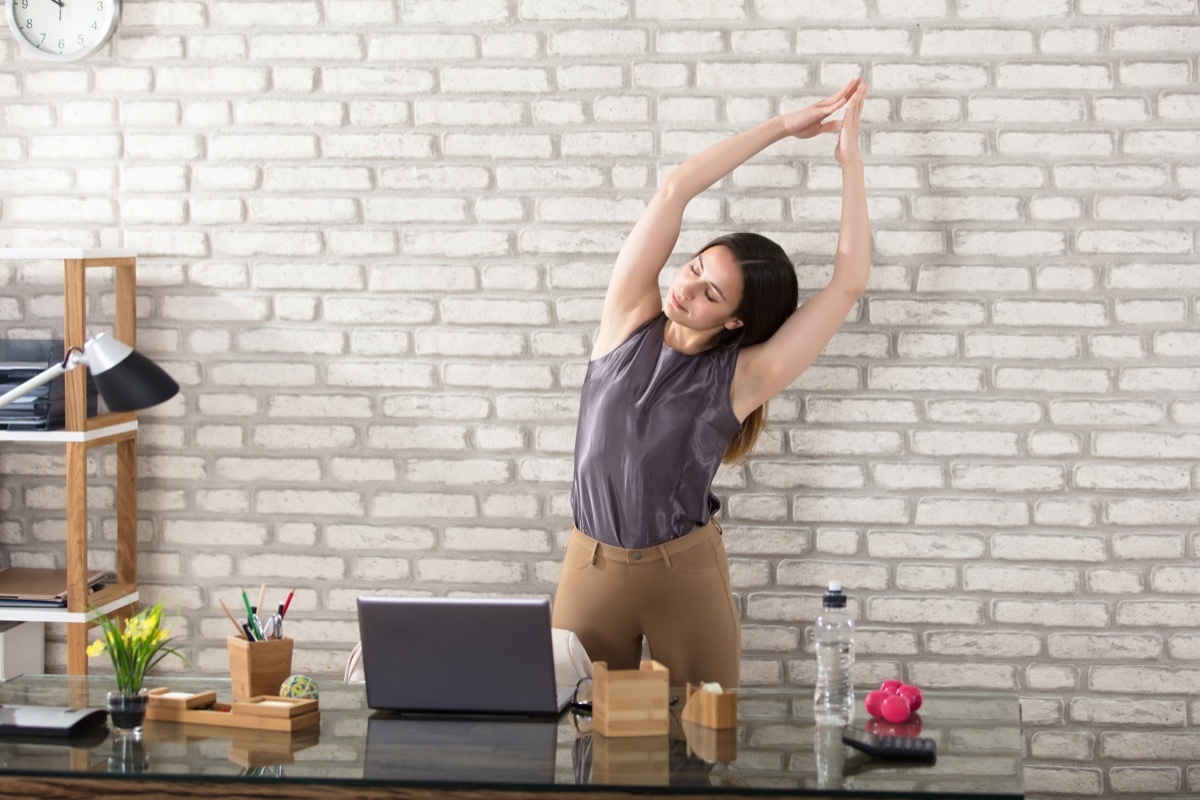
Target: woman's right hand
x=813 y=120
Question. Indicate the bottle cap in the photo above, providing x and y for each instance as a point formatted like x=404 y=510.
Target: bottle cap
x=834 y=598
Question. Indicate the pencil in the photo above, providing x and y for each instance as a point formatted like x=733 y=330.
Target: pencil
x=232 y=618
x=286 y=603
x=262 y=596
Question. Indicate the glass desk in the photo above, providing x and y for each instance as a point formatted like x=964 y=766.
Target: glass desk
x=776 y=750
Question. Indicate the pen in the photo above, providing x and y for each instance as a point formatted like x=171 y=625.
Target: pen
x=232 y=618
x=286 y=603
x=250 y=617
x=249 y=633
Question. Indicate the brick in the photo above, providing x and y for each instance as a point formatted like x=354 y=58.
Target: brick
x=933 y=77
x=1064 y=745
x=992 y=346
x=1047 y=547
x=933 y=143
x=1100 y=646
x=1058 y=779
x=1150 y=745
x=924 y=545
x=980 y=644
x=1023 y=9
x=948 y=442
x=947 y=610
x=930 y=109
x=1060 y=613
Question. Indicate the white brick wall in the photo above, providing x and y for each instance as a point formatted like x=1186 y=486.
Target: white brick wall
x=375 y=236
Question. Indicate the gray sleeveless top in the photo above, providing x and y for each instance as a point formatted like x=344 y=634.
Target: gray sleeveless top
x=653 y=425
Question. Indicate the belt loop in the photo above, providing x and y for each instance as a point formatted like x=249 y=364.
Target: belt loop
x=595 y=550
x=662 y=548
x=717 y=525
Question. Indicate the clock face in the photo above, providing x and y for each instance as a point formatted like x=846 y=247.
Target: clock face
x=62 y=30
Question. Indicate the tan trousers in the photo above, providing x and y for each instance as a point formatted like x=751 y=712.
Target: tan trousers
x=677 y=595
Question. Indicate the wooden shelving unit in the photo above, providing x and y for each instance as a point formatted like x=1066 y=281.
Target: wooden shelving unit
x=80 y=435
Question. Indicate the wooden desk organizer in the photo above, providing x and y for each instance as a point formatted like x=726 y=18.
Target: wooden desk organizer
x=631 y=702
x=264 y=713
x=709 y=709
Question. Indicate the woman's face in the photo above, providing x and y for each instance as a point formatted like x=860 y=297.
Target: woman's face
x=706 y=291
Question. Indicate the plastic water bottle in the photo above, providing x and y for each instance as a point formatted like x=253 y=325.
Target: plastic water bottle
x=833 y=702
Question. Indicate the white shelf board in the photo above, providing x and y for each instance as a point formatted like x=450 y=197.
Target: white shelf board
x=67 y=436
x=66 y=252
x=44 y=614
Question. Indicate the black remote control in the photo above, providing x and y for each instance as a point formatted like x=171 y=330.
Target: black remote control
x=917 y=748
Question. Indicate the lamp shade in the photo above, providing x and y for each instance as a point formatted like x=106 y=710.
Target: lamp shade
x=126 y=379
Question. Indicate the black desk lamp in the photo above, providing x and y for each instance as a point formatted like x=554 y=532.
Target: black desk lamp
x=126 y=379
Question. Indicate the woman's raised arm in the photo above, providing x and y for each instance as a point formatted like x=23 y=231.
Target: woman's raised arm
x=633 y=294
x=766 y=369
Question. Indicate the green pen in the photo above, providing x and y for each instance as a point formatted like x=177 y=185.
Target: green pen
x=250 y=620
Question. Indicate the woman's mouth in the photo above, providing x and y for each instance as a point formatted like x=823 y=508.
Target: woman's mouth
x=675 y=300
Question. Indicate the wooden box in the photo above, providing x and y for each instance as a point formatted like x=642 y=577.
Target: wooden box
x=631 y=702
x=258 y=668
x=709 y=709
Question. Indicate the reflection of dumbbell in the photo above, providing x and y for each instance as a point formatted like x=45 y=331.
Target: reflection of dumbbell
x=894 y=701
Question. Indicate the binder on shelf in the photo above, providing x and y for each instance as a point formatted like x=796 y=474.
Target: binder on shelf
x=45 y=407
x=20 y=586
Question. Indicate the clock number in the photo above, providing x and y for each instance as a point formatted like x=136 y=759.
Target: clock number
x=99 y=5
x=62 y=44
x=79 y=39
x=24 y=3
x=29 y=23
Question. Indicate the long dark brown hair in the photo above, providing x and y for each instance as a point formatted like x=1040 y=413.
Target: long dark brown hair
x=770 y=294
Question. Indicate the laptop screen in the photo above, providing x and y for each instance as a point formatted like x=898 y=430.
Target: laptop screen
x=458 y=655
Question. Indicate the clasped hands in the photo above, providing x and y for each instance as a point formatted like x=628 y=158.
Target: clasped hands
x=814 y=120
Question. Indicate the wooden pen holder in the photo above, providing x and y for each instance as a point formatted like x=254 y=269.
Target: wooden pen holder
x=710 y=709
x=258 y=668
x=631 y=702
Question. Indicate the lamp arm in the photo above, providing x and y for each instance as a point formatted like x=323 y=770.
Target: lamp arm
x=73 y=360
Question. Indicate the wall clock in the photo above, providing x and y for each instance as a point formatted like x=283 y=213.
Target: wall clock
x=62 y=30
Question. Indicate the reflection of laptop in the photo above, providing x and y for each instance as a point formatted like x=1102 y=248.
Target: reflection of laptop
x=461 y=750
x=459 y=655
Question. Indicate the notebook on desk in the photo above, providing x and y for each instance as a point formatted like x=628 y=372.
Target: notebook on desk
x=459 y=656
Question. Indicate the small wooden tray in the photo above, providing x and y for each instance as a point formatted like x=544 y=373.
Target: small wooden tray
x=267 y=706
x=168 y=699
x=259 y=713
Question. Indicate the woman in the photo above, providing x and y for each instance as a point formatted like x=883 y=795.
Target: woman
x=675 y=385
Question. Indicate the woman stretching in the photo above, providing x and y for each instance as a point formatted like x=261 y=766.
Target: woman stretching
x=677 y=384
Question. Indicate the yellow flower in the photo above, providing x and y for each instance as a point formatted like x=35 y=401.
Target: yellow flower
x=95 y=648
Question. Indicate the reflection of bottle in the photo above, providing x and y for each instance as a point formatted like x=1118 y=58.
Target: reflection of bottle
x=831 y=754
x=833 y=701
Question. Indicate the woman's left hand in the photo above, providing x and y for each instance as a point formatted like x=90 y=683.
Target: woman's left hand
x=846 y=150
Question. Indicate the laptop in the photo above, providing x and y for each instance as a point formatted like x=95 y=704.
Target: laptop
x=440 y=655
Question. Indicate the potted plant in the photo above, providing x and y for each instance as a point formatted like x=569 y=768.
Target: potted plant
x=144 y=642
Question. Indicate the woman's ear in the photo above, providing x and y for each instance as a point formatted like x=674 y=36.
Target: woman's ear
x=733 y=324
